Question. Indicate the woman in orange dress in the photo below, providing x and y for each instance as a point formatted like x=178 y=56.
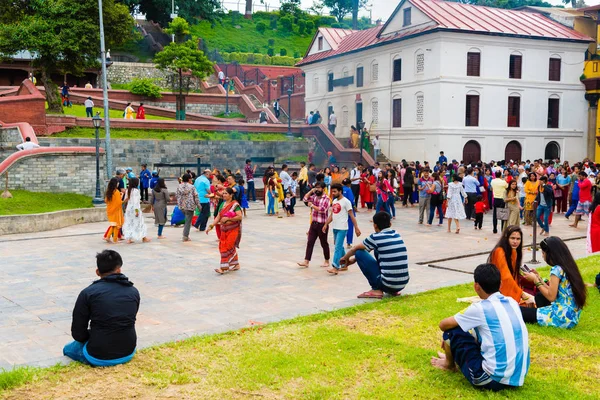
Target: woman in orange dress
x=114 y=210
x=507 y=257
x=229 y=218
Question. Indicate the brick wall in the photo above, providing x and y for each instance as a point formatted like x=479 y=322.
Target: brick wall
x=223 y=154
x=28 y=105
x=73 y=173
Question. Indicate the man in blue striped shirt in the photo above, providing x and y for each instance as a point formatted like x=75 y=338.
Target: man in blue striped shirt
x=388 y=271
x=496 y=355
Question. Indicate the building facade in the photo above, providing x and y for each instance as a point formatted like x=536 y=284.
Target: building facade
x=433 y=80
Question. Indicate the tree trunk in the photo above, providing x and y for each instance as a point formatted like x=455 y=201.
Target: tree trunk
x=574 y=3
x=248 y=14
x=355 y=15
x=52 y=96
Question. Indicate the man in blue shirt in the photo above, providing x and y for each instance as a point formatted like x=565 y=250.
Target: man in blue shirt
x=442 y=158
x=574 y=191
x=145 y=177
x=202 y=185
x=471 y=185
x=489 y=340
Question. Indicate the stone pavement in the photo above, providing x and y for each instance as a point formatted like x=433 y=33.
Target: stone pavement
x=41 y=275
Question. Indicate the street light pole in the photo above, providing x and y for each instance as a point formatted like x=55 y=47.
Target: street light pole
x=226 y=96
x=289 y=93
x=361 y=127
x=97 y=201
x=108 y=149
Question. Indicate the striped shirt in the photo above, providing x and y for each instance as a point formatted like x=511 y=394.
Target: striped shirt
x=504 y=340
x=391 y=256
x=323 y=203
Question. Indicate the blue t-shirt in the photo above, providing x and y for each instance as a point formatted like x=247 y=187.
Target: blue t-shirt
x=423 y=188
x=563 y=312
x=563 y=180
x=203 y=188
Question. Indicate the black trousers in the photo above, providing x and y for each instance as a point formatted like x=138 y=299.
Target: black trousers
x=303 y=189
x=144 y=193
x=498 y=203
x=470 y=206
x=356 y=193
x=408 y=191
x=202 y=219
x=478 y=220
x=316 y=231
x=530 y=314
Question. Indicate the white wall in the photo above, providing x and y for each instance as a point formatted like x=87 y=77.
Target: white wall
x=444 y=85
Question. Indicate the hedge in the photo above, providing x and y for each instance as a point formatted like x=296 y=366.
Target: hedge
x=259 y=59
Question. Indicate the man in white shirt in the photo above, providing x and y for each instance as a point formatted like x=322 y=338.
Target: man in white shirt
x=332 y=122
x=286 y=180
x=27 y=145
x=499 y=186
x=355 y=182
x=89 y=107
x=341 y=210
x=376 y=169
x=222 y=78
x=376 y=148
x=499 y=357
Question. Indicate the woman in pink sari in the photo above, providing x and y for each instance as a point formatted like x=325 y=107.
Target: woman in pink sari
x=229 y=218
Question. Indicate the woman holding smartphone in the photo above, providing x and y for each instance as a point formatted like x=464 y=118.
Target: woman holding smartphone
x=561 y=300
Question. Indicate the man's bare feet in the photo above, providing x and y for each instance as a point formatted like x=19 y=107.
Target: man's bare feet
x=303 y=264
x=441 y=362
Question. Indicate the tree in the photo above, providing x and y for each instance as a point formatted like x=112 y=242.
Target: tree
x=182 y=57
x=63 y=37
x=341 y=8
x=160 y=10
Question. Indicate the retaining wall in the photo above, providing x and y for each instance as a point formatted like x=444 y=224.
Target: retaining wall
x=198 y=108
x=13 y=224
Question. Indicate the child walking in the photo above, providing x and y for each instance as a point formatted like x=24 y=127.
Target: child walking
x=479 y=210
x=288 y=204
x=242 y=196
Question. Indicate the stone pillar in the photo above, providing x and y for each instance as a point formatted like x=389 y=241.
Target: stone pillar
x=592 y=99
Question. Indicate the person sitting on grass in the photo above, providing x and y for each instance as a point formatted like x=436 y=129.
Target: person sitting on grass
x=388 y=271
x=496 y=355
x=109 y=307
x=560 y=301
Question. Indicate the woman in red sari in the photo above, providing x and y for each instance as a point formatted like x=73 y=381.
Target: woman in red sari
x=229 y=218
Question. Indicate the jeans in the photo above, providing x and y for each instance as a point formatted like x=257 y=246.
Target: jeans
x=423 y=206
x=202 y=219
x=271 y=204
x=316 y=231
x=469 y=207
x=381 y=204
x=498 y=203
x=572 y=207
x=350 y=234
x=332 y=129
x=251 y=191
x=376 y=153
x=77 y=351
x=390 y=203
x=303 y=189
x=89 y=112
x=338 y=243
x=522 y=202
x=432 y=209
x=545 y=211
x=370 y=269
x=189 y=215
x=160 y=229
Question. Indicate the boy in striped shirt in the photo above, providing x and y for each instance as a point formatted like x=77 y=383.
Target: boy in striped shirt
x=496 y=357
x=388 y=271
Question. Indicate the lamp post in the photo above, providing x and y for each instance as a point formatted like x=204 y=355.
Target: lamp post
x=289 y=93
x=97 y=201
x=107 y=147
x=226 y=96
x=534 y=245
x=361 y=126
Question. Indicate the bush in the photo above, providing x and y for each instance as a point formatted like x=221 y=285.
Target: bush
x=286 y=24
x=336 y=25
x=261 y=27
x=270 y=51
x=310 y=27
x=273 y=23
x=284 y=61
x=145 y=87
x=297 y=54
x=271 y=42
x=282 y=52
x=301 y=27
x=327 y=21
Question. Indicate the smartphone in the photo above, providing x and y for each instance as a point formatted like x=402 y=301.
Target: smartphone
x=525 y=268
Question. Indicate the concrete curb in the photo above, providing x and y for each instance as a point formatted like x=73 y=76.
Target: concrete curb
x=27 y=223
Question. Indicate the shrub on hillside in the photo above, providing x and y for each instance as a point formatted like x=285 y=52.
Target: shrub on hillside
x=261 y=27
x=270 y=51
x=327 y=20
x=282 y=60
x=297 y=54
x=145 y=87
x=301 y=27
x=273 y=23
x=271 y=42
x=282 y=52
x=286 y=24
x=310 y=27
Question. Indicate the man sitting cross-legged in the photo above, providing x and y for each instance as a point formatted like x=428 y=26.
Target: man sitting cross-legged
x=388 y=271
x=109 y=305
x=496 y=355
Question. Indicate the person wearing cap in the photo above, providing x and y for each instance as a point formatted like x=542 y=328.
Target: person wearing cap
x=130 y=173
x=89 y=107
x=145 y=177
x=154 y=179
x=202 y=185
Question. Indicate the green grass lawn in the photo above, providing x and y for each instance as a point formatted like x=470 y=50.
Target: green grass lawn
x=78 y=110
x=380 y=350
x=24 y=202
x=158 y=134
x=231 y=115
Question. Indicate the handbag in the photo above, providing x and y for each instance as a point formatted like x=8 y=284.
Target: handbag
x=372 y=187
x=502 y=213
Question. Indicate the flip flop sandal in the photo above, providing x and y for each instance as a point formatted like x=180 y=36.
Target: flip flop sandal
x=221 y=271
x=370 y=295
x=236 y=268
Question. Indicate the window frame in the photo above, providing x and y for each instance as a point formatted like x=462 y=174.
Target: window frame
x=557 y=69
x=397 y=117
x=513 y=72
x=397 y=63
x=407 y=21
x=517 y=115
x=471 y=120
x=320 y=43
x=360 y=77
x=553 y=121
x=472 y=67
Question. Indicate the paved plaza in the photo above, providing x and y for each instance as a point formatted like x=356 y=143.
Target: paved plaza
x=41 y=275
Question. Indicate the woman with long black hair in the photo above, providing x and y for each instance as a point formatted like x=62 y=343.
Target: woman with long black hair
x=134 y=228
x=114 y=210
x=561 y=300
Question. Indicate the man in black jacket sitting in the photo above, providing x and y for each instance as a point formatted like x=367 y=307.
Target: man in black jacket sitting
x=109 y=306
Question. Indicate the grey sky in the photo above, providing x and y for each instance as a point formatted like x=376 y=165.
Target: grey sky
x=380 y=8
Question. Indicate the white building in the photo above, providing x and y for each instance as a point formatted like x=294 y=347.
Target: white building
x=474 y=82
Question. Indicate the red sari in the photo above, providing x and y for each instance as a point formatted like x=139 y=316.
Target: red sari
x=366 y=196
x=231 y=234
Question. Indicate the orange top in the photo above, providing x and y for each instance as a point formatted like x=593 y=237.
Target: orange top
x=508 y=286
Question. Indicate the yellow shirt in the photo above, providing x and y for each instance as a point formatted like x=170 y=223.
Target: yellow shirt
x=499 y=186
x=303 y=177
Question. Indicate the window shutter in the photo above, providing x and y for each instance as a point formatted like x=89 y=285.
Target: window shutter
x=473 y=64
x=330 y=82
x=397 y=70
x=514 y=111
x=553 y=106
x=472 y=111
x=554 y=70
x=359 y=76
x=515 y=66
x=397 y=113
